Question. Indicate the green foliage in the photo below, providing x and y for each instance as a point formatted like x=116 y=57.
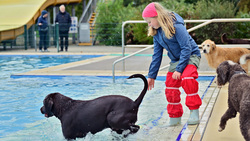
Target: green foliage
x=244 y=5
x=140 y=30
x=183 y=9
x=191 y=1
x=210 y=10
x=242 y=28
x=215 y=9
x=111 y=16
x=140 y=34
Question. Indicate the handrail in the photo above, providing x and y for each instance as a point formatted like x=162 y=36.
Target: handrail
x=123 y=58
x=204 y=23
x=88 y=11
x=219 y=21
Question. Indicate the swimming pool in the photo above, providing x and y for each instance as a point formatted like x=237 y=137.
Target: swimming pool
x=21 y=99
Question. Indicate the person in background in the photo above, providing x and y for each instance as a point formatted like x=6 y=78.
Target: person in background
x=43 y=31
x=64 y=20
x=169 y=32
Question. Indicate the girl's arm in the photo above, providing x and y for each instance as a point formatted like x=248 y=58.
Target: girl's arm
x=183 y=39
x=156 y=60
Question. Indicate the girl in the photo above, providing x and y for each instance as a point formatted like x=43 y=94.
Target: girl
x=169 y=32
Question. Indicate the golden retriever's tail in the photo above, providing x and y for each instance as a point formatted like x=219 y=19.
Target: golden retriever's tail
x=143 y=92
x=244 y=58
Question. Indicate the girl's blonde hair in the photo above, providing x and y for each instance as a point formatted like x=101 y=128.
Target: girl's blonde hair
x=166 y=20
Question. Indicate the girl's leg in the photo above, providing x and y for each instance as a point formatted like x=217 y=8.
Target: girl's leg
x=172 y=93
x=191 y=87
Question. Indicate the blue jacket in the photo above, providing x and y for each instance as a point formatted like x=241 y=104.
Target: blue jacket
x=180 y=47
x=44 y=22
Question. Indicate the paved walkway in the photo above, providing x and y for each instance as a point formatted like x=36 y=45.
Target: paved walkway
x=215 y=102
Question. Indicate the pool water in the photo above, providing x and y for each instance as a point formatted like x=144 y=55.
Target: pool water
x=21 y=99
x=11 y=64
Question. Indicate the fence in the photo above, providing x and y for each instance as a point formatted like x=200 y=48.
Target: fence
x=30 y=38
x=101 y=33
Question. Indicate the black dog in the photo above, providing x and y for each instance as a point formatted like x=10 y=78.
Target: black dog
x=80 y=117
x=238 y=95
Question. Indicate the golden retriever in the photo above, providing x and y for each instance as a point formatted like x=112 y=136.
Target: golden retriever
x=216 y=55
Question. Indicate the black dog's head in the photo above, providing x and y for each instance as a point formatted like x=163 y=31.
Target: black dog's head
x=46 y=109
x=226 y=70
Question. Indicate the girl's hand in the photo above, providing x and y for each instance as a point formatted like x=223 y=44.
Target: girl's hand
x=40 y=24
x=176 y=75
x=151 y=83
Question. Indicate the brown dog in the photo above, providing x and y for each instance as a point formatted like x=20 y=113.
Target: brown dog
x=216 y=55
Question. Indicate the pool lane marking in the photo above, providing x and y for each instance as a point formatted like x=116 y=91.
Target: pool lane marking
x=185 y=126
x=147 y=55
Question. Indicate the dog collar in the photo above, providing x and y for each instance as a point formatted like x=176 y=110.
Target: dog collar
x=239 y=72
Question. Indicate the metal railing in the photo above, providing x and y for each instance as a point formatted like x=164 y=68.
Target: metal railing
x=203 y=23
x=31 y=37
x=123 y=58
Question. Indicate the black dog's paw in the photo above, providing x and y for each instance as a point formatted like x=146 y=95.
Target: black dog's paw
x=134 y=128
x=221 y=128
x=118 y=131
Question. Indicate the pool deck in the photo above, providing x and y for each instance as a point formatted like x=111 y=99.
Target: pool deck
x=214 y=103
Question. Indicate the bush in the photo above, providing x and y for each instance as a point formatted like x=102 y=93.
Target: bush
x=242 y=28
x=210 y=10
x=112 y=14
x=140 y=30
x=109 y=21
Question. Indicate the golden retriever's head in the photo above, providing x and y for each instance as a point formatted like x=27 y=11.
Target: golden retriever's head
x=208 y=46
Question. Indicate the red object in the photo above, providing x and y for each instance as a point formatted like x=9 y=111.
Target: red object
x=190 y=86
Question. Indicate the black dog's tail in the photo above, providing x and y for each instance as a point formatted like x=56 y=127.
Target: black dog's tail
x=244 y=58
x=139 y=99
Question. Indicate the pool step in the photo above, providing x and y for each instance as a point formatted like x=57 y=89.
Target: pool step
x=85 y=44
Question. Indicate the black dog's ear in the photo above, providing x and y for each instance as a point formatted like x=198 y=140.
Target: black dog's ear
x=48 y=103
x=222 y=74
